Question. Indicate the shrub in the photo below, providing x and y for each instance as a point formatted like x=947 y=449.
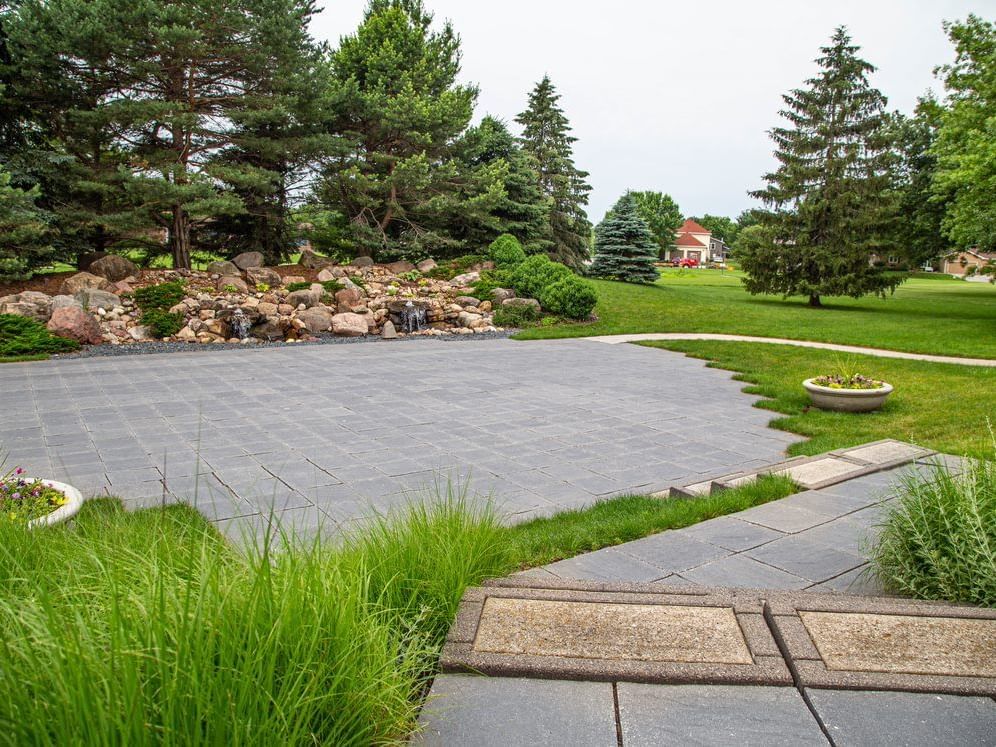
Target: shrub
x=162 y=323
x=161 y=296
x=453 y=267
x=535 y=273
x=571 y=297
x=938 y=540
x=22 y=336
x=491 y=279
x=291 y=287
x=506 y=251
x=516 y=316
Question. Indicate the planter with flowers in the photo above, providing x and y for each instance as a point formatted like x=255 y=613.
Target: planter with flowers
x=847 y=393
x=35 y=502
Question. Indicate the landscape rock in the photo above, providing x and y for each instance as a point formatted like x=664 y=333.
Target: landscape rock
x=349 y=296
x=265 y=308
x=314 y=261
x=294 y=279
x=247 y=260
x=76 y=324
x=257 y=275
x=139 y=333
x=500 y=295
x=466 y=279
x=349 y=325
x=186 y=335
x=362 y=262
x=222 y=267
x=268 y=329
x=235 y=281
x=467 y=319
x=114 y=267
x=86 y=259
x=31 y=304
x=94 y=299
x=396 y=268
x=61 y=302
x=426 y=265
x=73 y=285
x=330 y=273
x=388 y=332
x=316 y=319
x=467 y=301
x=307 y=297
x=521 y=302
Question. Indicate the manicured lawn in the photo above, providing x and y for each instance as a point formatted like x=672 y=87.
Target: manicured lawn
x=941 y=406
x=947 y=317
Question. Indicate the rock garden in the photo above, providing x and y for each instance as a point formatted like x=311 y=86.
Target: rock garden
x=114 y=302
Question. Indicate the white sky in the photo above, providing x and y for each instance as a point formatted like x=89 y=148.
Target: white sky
x=678 y=96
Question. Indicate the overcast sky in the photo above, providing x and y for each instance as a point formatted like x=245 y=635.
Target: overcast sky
x=677 y=96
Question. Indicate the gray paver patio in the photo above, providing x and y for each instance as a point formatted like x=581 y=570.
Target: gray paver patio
x=343 y=430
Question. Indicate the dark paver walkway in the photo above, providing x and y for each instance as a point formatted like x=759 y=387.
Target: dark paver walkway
x=327 y=434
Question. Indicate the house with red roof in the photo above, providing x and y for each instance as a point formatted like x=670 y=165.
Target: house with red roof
x=693 y=241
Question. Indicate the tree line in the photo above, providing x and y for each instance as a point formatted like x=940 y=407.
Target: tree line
x=224 y=127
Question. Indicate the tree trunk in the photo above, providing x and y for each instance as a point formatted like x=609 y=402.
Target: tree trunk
x=179 y=238
x=814 y=300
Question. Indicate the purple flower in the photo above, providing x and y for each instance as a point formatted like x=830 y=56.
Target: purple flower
x=19 y=471
x=16 y=496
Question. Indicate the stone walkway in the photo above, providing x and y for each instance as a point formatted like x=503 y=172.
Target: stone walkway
x=813 y=540
x=877 y=352
x=327 y=434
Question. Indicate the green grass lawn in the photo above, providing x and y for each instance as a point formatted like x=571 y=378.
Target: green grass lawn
x=946 y=317
x=941 y=406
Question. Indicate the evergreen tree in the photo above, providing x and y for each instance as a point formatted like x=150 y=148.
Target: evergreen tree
x=24 y=241
x=830 y=204
x=522 y=211
x=546 y=138
x=661 y=214
x=920 y=234
x=402 y=112
x=624 y=245
x=966 y=146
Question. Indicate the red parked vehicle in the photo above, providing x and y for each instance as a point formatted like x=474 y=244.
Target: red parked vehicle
x=685 y=262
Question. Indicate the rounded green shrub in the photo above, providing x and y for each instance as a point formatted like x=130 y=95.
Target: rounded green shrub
x=516 y=316
x=571 y=297
x=535 y=273
x=162 y=323
x=161 y=296
x=491 y=279
x=22 y=336
x=506 y=251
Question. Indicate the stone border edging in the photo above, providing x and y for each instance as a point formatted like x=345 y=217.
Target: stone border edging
x=878 y=352
x=765 y=618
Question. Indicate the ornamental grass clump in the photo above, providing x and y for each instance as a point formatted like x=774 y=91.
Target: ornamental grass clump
x=938 y=540
x=149 y=628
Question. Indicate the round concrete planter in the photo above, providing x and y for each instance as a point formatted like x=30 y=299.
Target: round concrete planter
x=74 y=502
x=847 y=400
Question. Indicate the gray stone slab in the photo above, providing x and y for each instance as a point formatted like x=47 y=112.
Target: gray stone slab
x=484 y=712
x=904 y=719
x=802 y=557
x=715 y=715
x=744 y=571
x=784 y=518
x=731 y=533
x=607 y=565
x=672 y=551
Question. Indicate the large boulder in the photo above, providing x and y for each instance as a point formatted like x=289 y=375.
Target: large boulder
x=396 y=268
x=362 y=262
x=466 y=279
x=330 y=273
x=248 y=259
x=389 y=332
x=467 y=301
x=32 y=304
x=223 y=267
x=268 y=329
x=76 y=324
x=73 y=285
x=350 y=325
x=234 y=281
x=467 y=319
x=94 y=298
x=114 y=267
x=257 y=275
x=307 y=297
x=61 y=302
x=316 y=319
x=426 y=265
x=314 y=261
x=348 y=297
x=522 y=302
x=500 y=295
x=83 y=261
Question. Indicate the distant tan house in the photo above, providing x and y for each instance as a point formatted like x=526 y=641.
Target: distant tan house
x=693 y=241
x=959 y=263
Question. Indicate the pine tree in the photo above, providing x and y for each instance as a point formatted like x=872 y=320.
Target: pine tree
x=546 y=137
x=624 y=246
x=522 y=211
x=830 y=204
x=394 y=81
x=24 y=243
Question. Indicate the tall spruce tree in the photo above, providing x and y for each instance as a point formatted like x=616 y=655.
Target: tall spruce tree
x=830 y=204
x=521 y=211
x=546 y=137
x=394 y=81
x=624 y=245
